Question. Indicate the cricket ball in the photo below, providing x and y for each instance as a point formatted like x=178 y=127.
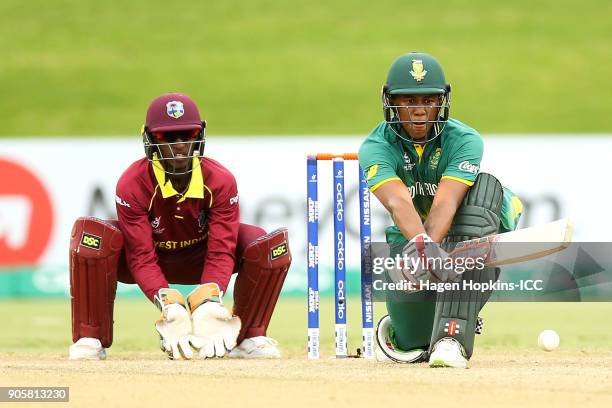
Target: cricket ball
x=548 y=340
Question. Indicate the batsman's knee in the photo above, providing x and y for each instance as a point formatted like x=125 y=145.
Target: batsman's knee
x=479 y=213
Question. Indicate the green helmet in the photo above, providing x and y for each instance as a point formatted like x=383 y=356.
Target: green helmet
x=416 y=73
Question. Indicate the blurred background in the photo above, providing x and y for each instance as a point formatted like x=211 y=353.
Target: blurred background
x=276 y=80
x=271 y=67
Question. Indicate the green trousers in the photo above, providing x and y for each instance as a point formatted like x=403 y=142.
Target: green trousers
x=412 y=315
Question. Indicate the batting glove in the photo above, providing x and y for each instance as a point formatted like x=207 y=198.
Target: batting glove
x=424 y=260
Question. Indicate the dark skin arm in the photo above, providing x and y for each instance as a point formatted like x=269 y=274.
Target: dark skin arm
x=396 y=198
x=448 y=198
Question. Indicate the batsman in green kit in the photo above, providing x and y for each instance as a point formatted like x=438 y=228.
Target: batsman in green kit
x=424 y=167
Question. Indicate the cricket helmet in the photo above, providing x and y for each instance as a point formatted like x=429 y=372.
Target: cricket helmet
x=416 y=73
x=171 y=116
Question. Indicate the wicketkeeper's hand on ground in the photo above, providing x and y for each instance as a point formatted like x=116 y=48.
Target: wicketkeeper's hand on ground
x=214 y=327
x=174 y=327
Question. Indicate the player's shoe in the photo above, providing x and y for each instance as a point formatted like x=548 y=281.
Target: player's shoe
x=448 y=352
x=87 y=348
x=388 y=351
x=256 y=347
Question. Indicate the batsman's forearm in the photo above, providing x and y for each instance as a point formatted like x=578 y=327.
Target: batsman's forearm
x=439 y=221
x=407 y=219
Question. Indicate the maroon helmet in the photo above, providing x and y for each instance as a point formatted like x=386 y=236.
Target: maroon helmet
x=172 y=111
x=173 y=119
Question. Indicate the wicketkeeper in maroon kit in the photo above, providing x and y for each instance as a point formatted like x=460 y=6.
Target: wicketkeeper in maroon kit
x=178 y=222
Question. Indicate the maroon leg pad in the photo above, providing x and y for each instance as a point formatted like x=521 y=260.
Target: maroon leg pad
x=95 y=246
x=262 y=271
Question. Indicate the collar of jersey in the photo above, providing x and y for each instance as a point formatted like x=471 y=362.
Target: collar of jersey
x=196 y=184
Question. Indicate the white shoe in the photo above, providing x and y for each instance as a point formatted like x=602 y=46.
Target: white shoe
x=87 y=348
x=448 y=352
x=256 y=347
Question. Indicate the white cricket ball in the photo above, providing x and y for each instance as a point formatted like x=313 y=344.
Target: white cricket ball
x=548 y=340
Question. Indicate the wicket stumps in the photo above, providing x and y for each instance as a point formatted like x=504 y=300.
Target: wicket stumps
x=367 y=304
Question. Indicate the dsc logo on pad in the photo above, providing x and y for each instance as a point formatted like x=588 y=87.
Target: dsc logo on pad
x=91 y=241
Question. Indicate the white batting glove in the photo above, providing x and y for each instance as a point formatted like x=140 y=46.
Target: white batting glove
x=427 y=261
x=174 y=327
x=214 y=327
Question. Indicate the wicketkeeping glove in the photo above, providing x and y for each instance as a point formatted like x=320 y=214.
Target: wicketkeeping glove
x=174 y=326
x=214 y=326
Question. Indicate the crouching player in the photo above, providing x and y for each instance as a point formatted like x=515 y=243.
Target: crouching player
x=178 y=222
x=424 y=168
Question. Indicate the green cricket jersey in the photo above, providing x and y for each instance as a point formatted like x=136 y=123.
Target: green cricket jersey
x=455 y=154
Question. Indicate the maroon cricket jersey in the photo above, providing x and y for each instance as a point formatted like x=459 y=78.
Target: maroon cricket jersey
x=157 y=221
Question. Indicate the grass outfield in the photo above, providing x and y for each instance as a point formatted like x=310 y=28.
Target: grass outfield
x=507 y=369
x=43 y=326
x=293 y=67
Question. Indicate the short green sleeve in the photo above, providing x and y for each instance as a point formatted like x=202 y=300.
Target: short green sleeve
x=378 y=163
x=464 y=160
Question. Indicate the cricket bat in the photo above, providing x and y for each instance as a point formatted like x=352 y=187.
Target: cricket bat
x=518 y=246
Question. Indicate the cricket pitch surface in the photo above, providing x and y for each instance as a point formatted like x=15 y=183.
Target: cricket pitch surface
x=499 y=379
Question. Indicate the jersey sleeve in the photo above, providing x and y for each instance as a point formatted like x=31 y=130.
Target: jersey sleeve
x=464 y=162
x=223 y=224
x=141 y=258
x=378 y=164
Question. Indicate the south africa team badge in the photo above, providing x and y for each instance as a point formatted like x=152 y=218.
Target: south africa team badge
x=435 y=159
x=418 y=70
x=175 y=109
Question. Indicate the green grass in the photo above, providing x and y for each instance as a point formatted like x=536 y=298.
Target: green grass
x=299 y=67
x=43 y=326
